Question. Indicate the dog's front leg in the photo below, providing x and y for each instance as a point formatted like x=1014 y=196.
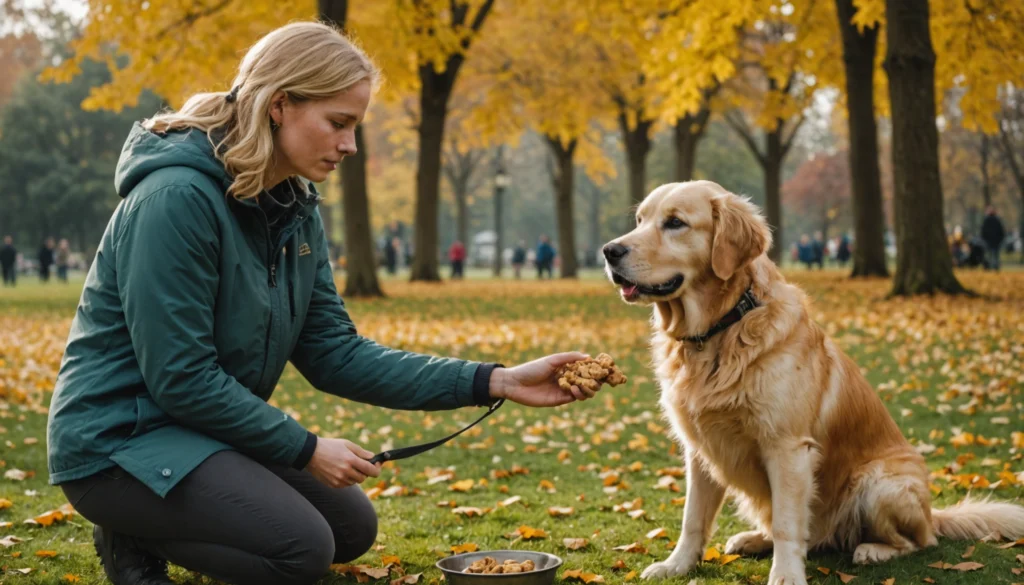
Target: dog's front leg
x=704 y=497
x=791 y=465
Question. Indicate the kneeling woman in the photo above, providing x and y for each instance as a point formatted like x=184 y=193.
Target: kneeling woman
x=212 y=274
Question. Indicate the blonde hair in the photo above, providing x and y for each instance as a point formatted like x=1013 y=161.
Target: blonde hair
x=305 y=60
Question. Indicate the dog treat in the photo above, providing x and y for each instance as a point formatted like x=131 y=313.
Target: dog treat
x=590 y=373
x=489 y=566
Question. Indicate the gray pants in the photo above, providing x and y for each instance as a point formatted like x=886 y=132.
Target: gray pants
x=235 y=520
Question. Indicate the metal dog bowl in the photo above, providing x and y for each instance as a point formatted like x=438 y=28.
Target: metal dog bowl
x=544 y=573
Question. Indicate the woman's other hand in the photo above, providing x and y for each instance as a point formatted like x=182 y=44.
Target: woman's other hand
x=341 y=463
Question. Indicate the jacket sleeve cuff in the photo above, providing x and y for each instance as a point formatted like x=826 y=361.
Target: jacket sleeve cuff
x=307 y=451
x=482 y=384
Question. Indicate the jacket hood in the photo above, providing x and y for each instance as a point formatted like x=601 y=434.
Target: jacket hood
x=145 y=152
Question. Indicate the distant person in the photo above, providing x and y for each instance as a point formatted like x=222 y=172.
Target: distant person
x=818 y=247
x=993 y=233
x=843 y=251
x=519 y=259
x=214 y=276
x=457 y=256
x=806 y=251
x=63 y=258
x=391 y=254
x=9 y=261
x=545 y=259
x=46 y=258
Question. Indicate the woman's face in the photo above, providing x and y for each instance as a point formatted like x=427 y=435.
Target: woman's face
x=313 y=136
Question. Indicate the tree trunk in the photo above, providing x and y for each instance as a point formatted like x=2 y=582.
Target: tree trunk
x=986 y=183
x=435 y=90
x=433 y=111
x=562 y=180
x=772 y=162
x=923 y=260
x=462 y=219
x=595 y=226
x=638 y=145
x=868 y=213
x=499 y=213
x=360 y=259
x=1016 y=169
x=688 y=131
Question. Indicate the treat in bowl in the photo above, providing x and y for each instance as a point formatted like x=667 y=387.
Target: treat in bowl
x=488 y=565
x=591 y=373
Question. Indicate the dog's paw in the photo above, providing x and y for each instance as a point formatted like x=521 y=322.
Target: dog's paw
x=871 y=553
x=666 y=568
x=748 y=543
x=785 y=577
x=787 y=570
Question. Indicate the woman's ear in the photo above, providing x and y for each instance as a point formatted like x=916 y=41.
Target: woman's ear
x=740 y=234
x=277 y=104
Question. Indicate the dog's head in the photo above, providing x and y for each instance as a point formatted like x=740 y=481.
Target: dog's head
x=685 y=233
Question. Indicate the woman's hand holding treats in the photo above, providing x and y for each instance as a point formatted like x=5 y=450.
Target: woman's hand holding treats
x=536 y=383
x=341 y=463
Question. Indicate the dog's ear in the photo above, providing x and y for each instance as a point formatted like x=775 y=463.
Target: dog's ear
x=740 y=234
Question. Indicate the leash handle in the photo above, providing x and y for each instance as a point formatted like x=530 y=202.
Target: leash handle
x=404 y=452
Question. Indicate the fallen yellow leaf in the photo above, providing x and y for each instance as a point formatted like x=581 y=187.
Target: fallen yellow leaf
x=968 y=566
x=462 y=486
x=465 y=548
x=581 y=576
x=657 y=533
x=509 y=501
x=575 y=543
x=712 y=554
x=530 y=533
x=407 y=579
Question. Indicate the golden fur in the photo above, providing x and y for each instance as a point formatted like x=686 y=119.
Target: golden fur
x=770 y=410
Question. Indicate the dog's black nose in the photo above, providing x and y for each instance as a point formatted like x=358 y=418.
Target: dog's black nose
x=614 y=252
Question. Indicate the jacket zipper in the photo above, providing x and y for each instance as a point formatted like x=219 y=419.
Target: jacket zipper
x=291 y=299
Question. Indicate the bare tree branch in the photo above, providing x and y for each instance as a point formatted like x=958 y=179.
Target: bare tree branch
x=481 y=14
x=787 y=142
x=739 y=125
x=191 y=18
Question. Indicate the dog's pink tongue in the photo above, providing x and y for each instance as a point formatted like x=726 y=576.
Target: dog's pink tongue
x=629 y=290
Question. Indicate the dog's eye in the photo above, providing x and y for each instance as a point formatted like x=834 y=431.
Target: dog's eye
x=674 y=223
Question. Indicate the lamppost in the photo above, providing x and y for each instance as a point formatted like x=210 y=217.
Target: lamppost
x=501 y=181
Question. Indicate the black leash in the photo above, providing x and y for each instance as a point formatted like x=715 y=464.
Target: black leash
x=395 y=454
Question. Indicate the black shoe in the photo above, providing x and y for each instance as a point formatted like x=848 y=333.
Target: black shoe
x=125 y=562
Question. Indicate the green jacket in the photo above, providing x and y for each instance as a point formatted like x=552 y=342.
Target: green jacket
x=188 y=317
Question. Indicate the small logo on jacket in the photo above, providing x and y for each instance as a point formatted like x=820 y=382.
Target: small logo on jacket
x=304 y=249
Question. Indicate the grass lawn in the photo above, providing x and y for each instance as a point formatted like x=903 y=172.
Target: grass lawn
x=948 y=369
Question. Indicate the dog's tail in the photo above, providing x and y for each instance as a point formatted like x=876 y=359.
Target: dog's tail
x=974 y=519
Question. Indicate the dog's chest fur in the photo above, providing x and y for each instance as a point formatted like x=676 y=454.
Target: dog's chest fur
x=719 y=427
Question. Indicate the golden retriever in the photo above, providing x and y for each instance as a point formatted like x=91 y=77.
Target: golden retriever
x=770 y=409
